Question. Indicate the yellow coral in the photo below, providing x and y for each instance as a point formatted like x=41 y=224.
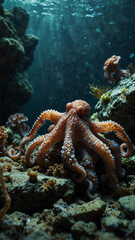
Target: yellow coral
x=123 y=93
x=98 y=90
x=57 y=170
x=131 y=69
x=32 y=175
x=49 y=185
x=106 y=97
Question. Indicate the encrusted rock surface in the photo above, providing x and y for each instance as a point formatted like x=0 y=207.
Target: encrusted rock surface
x=115 y=224
x=87 y=211
x=27 y=195
x=81 y=229
x=16 y=55
x=127 y=205
x=121 y=107
x=53 y=207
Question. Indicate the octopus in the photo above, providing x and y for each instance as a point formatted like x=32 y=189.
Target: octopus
x=78 y=133
x=112 y=70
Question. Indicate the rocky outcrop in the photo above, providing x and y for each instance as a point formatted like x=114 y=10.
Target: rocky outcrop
x=27 y=194
x=16 y=55
x=120 y=106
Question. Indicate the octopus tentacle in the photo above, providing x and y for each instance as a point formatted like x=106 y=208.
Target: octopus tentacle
x=56 y=135
x=34 y=144
x=50 y=115
x=117 y=154
x=68 y=151
x=88 y=163
x=89 y=189
x=12 y=154
x=90 y=140
x=102 y=127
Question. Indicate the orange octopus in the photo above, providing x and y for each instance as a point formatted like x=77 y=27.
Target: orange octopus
x=76 y=131
x=112 y=70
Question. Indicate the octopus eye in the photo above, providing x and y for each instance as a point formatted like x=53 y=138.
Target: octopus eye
x=80 y=110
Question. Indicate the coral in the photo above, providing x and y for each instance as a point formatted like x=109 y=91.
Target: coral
x=129 y=162
x=106 y=97
x=98 y=90
x=32 y=175
x=76 y=131
x=124 y=93
x=131 y=69
x=112 y=71
x=18 y=120
x=57 y=170
x=3 y=139
x=49 y=185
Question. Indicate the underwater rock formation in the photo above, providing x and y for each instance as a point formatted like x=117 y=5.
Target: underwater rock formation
x=16 y=55
x=37 y=191
x=121 y=106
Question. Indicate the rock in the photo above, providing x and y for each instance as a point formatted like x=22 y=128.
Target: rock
x=38 y=234
x=17 y=85
x=11 y=53
x=16 y=220
x=63 y=220
x=87 y=211
x=30 y=42
x=16 y=55
x=127 y=205
x=5 y=31
x=121 y=107
x=30 y=197
x=20 y=20
x=59 y=206
x=81 y=228
x=131 y=230
x=107 y=236
x=115 y=224
x=2 y=1
x=1 y=10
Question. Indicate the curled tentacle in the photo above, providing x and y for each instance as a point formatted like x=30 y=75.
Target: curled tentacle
x=33 y=145
x=13 y=155
x=50 y=115
x=124 y=153
x=89 y=190
x=103 y=127
x=80 y=170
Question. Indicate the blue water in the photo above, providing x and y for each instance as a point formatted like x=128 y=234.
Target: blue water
x=75 y=39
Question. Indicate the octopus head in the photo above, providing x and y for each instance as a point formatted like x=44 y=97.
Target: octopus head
x=82 y=108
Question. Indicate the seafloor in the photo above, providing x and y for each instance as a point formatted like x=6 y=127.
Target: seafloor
x=52 y=206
